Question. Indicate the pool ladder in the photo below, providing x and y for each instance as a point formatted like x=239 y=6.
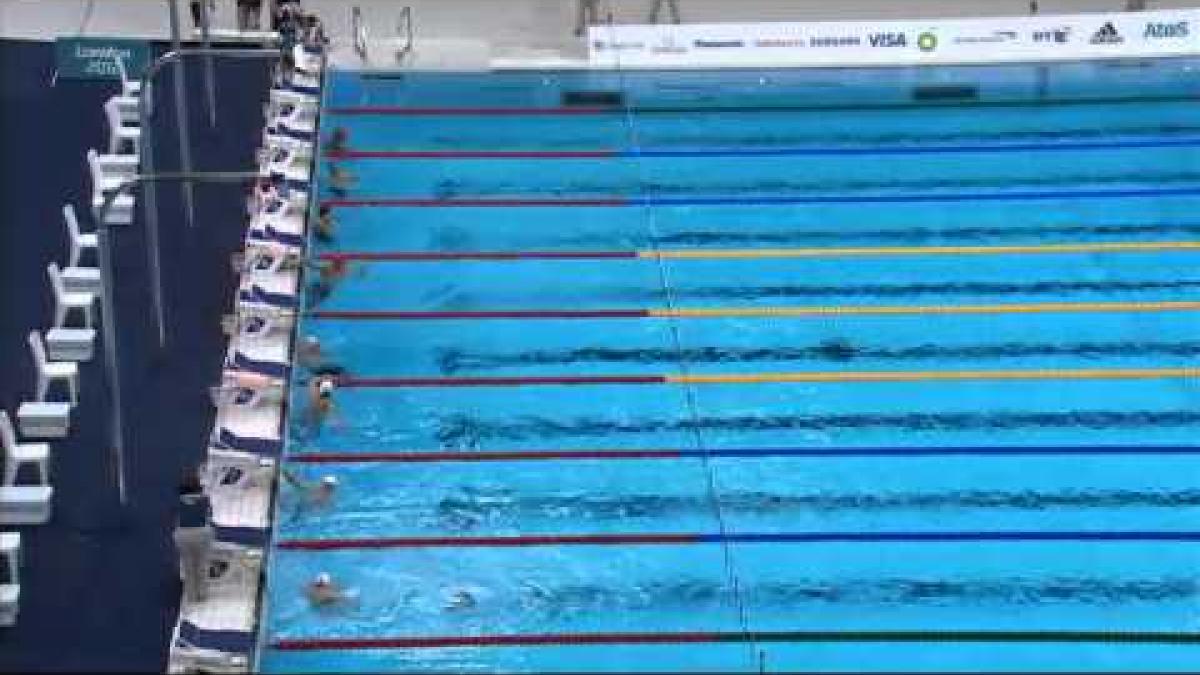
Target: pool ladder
x=404 y=33
x=358 y=29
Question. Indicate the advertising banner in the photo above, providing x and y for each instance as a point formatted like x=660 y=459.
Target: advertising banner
x=92 y=58
x=882 y=43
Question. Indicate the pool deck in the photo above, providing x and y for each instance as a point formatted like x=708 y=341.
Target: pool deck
x=99 y=588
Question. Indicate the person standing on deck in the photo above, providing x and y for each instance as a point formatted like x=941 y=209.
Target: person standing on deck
x=194 y=536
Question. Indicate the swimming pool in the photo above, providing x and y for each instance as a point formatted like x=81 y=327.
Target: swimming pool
x=756 y=371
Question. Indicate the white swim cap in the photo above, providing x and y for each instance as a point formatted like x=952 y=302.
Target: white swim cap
x=311 y=340
x=329 y=481
x=323 y=579
x=326 y=387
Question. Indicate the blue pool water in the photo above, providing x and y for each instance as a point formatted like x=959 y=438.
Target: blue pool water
x=1070 y=503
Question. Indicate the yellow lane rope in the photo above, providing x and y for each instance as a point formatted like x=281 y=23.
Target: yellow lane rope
x=875 y=310
x=880 y=251
x=941 y=375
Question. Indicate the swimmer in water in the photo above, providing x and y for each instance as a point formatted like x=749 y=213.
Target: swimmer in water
x=318 y=494
x=320 y=403
x=340 y=180
x=325 y=224
x=323 y=592
x=310 y=355
x=329 y=274
x=460 y=600
x=338 y=140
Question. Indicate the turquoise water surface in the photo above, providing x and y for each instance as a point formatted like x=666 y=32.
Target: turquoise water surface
x=754 y=161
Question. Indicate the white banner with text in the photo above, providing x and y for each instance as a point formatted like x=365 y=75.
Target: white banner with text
x=859 y=43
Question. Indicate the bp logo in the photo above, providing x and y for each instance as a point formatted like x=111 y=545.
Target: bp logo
x=927 y=41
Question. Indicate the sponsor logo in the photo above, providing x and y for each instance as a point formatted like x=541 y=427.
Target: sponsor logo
x=835 y=41
x=719 y=44
x=605 y=45
x=1107 y=35
x=927 y=41
x=993 y=37
x=1157 y=31
x=1055 y=35
x=887 y=40
x=669 y=46
x=781 y=43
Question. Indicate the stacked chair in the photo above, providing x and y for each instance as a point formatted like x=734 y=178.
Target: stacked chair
x=58 y=349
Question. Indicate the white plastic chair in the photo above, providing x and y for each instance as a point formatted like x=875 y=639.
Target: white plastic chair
x=119 y=135
x=128 y=87
x=16 y=454
x=49 y=371
x=65 y=301
x=110 y=171
x=78 y=241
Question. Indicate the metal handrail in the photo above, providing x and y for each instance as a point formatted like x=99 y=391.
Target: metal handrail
x=358 y=29
x=147 y=164
x=404 y=28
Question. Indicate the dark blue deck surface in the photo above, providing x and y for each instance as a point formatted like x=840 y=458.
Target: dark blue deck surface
x=98 y=587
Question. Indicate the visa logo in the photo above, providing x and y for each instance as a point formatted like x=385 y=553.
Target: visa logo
x=1167 y=30
x=887 y=40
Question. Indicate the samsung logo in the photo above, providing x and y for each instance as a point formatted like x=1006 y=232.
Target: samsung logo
x=840 y=41
x=780 y=43
x=1178 y=29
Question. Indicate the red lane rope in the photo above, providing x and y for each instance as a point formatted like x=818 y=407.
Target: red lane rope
x=475 y=456
x=423 y=256
x=335 y=544
x=500 y=314
x=406 y=110
x=598 y=201
x=387 y=382
x=686 y=637
x=472 y=154
x=315 y=644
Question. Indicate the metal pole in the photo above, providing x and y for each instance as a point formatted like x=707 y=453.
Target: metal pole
x=108 y=324
x=210 y=87
x=108 y=305
x=181 y=112
x=146 y=162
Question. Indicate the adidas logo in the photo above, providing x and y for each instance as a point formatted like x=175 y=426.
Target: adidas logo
x=1107 y=35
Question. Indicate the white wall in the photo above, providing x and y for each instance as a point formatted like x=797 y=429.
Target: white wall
x=547 y=21
x=504 y=27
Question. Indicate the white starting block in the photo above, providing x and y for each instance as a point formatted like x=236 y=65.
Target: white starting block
x=44 y=420
x=10 y=603
x=25 y=504
x=70 y=344
x=10 y=590
x=82 y=280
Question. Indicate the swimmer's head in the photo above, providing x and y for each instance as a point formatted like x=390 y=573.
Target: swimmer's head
x=329 y=482
x=323 y=579
x=311 y=341
x=325 y=388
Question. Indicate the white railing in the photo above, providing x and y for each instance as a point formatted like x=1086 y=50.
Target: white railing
x=358 y=29
x=404 y=31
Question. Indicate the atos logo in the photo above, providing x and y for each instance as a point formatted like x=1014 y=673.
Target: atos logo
x=1178 y=29
x=887 y=40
